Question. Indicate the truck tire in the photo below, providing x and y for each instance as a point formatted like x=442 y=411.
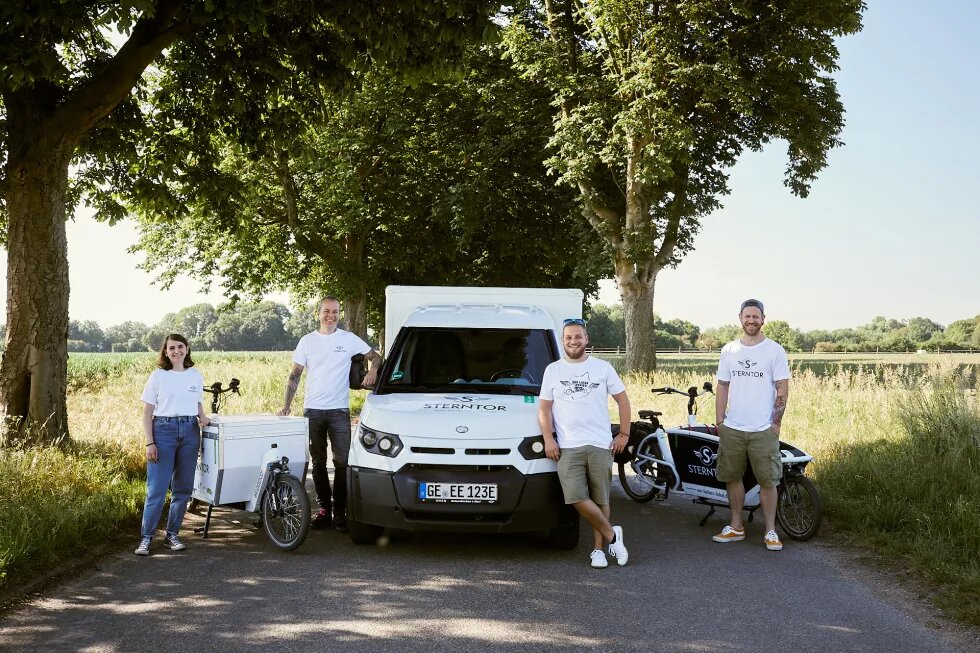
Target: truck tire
x=361 y=533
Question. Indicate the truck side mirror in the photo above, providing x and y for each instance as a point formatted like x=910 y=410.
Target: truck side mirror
x=357 y=372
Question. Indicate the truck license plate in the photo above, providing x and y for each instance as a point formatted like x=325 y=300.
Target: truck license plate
x=458 y=492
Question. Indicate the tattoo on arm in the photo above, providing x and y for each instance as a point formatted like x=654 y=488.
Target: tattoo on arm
x=292 y=384
x=374 y=358
x=782 y=395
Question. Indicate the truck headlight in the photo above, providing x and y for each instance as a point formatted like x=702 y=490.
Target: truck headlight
x=379 y=442
x=532 y=448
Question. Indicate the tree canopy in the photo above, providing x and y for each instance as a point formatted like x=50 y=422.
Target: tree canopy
x=655 y=101
x=73 y=95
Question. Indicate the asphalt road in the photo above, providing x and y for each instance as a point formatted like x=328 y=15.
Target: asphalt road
x=427 y=594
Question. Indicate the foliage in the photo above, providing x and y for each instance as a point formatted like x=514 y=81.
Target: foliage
x=655 y=101
x=441 y=183
x=74 y=97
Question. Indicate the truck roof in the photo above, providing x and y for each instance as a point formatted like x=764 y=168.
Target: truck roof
x=457 y=306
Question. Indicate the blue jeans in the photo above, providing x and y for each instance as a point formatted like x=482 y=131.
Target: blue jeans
x=178 y=441
x=332 y=425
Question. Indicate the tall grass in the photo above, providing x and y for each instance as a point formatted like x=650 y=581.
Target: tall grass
x=897 y=460
x=897 y=455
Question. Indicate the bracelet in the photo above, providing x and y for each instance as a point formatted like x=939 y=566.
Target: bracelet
x=151 y=444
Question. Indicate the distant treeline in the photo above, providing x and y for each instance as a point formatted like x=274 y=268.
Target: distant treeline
x=606 y=329
x=270 y=326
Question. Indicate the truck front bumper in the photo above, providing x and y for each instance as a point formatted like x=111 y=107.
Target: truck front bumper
x=525 y=503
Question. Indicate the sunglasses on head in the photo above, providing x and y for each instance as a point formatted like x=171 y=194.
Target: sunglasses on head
x=573 y=320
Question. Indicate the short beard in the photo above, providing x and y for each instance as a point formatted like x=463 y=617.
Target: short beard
x=575 y=357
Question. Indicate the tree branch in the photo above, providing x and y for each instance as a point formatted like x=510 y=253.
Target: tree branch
x=96 y=97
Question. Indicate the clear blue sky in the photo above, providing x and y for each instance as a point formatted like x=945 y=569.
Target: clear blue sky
x=891 y=227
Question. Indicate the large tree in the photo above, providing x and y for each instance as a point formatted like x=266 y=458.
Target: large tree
x=438 y=183
x=71 y=77
x=654 y=103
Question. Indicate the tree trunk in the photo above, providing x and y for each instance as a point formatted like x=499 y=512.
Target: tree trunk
x=33 y=376
x=355 y=306
x=637 y=295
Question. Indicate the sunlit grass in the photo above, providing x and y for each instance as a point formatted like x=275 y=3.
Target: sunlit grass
x=896 y=446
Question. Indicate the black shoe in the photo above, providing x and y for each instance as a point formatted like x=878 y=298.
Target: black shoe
x=340 y=525
x=321 y=520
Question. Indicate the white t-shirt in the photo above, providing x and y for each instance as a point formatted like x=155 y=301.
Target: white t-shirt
x=327 y=362
x=752 y=372
x=172 y=393
x=581 y=395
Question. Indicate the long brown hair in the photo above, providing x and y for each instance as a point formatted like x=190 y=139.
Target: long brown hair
x=163 y=362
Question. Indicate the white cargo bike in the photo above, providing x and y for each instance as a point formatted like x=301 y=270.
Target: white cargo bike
x=256 y=463
x=449 y=440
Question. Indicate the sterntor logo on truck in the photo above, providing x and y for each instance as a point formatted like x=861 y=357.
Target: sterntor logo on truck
x=463 y=406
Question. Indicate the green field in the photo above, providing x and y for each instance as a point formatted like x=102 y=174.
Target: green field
x=896 y=440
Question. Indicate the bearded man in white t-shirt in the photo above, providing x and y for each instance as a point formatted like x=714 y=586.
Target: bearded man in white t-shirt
x=326 y=355
x=753 y=387
x=574 y=407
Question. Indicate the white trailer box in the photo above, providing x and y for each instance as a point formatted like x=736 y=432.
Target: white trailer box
x=233 y=448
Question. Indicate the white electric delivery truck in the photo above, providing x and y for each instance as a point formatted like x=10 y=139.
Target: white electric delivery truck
x=449 y=440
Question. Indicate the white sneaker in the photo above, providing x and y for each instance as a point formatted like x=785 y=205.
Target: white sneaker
x=599 y=559
x=772 y=541
x=617 y=548
x=144 y=548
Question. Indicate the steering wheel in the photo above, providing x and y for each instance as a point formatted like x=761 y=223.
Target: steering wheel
x=514 y=374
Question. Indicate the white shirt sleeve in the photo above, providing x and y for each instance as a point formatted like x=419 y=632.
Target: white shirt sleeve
x=151 y=390
x=301 y=356
x=780 y=366
x=614 y=384
x=724 y=366
x=547 y=391
x=360 y=347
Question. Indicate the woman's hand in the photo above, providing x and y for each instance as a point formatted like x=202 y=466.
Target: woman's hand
x=203 y=420
x=151 y=452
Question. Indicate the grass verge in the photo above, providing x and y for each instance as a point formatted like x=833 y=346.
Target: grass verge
x=54 y=500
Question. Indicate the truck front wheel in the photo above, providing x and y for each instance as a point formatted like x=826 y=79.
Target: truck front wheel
x=565 y=537
x=361 y=533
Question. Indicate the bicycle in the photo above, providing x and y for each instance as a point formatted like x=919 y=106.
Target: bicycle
x=236 y=479
x=658 y=461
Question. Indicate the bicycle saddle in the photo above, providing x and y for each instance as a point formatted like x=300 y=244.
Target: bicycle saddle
x=649 y=414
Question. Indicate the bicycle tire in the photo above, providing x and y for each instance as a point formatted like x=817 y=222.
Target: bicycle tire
x=639 y=488
x=288 y=525
x=798 y=507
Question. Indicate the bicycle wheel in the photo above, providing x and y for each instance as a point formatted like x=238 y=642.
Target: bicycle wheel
x=639 y=486
x=286 y=512
x=798 y=507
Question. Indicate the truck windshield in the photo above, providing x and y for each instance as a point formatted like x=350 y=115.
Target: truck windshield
x=498 y=361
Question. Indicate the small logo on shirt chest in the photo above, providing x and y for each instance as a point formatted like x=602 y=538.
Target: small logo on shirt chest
x=340 y=349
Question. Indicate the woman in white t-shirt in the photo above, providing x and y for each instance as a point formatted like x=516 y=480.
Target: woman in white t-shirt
x=172 y=419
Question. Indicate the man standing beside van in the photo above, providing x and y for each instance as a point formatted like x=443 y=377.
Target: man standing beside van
x=753 y=386
x=326 y=354
x=574 y=404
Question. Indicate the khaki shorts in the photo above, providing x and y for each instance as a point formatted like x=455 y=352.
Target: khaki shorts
x=585 y=473
x=760 y=448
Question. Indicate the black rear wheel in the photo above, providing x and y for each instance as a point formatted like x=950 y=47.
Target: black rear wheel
x=638 y=484
x=286 y=512
x=798 y=507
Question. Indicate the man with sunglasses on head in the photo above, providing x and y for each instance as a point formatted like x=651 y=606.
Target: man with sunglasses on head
x=574 y=406
x=753 y=387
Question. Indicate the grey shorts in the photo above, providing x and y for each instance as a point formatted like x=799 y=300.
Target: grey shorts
x=585 y=473
x=759 y=448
